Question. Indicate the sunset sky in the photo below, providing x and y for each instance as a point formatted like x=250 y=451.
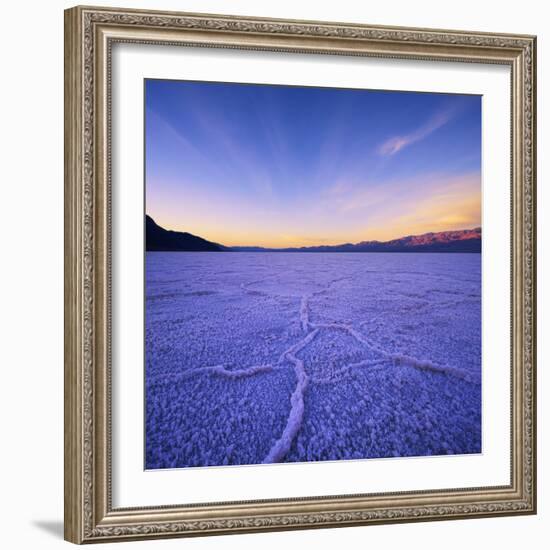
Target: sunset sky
x=282 y=166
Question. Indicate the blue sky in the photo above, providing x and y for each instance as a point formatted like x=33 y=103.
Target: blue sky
x=284 y=166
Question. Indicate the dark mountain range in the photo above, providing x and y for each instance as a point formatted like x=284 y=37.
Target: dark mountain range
x=159 y=239
x=465 y=240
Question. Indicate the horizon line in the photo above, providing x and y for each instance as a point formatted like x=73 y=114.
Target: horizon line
x=347 y=243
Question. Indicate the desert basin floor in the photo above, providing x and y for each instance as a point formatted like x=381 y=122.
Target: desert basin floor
x=260 y=357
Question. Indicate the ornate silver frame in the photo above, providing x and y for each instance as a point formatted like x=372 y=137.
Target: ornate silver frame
x=89 y=35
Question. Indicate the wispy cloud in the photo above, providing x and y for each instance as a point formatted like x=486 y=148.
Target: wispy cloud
x=397 y=143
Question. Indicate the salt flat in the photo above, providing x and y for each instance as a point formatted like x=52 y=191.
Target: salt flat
x=256 y=357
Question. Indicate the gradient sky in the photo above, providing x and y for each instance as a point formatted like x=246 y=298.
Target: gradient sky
x=283 y=166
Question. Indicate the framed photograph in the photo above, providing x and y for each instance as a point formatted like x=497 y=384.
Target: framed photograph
x=300 y=274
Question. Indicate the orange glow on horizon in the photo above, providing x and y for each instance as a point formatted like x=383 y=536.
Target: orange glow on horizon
x=347 y=215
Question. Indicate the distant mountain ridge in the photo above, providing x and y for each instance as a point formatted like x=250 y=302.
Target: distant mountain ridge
x=464 y=240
